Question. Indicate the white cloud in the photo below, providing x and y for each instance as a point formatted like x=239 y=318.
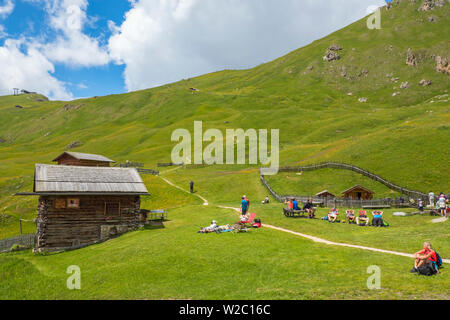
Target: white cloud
x=30 y=70
x=162 y=41
x=3 y=33
x=72 y=46
x=6 y=9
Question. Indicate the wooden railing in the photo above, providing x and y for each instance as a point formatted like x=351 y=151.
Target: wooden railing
x=412 y=194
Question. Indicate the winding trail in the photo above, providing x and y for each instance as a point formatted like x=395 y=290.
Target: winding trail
x=438 y=220
x=205 y=202
x=306 y=236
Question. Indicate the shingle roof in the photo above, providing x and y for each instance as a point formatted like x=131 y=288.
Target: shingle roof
x=324 y=191
x=51 y=179
x=358 y=187
x=85 y=156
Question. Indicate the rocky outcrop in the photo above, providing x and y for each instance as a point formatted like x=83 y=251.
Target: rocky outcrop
x=68 y=107
x=442 y=65
x=331 y=56
x=362 y=100
x=425 y=83
x=411 y=59
x=404 y=85
x=331 y=53
x=335 y=47
x=427 y=5
x=74 y=144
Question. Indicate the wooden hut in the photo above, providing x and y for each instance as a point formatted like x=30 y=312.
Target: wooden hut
x=358 y=193
x=325 y=194
x=81 y=205
x=82 y=159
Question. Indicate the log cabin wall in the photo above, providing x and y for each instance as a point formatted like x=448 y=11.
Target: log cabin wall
x=68 y=221
x=364 y=195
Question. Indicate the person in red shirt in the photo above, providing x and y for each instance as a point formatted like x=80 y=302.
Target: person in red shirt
x=424 y=256
x=290 y=203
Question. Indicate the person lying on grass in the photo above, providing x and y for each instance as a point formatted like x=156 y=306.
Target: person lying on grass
x=350 y=215
x=308 y=207
x=333 y=214
x=426 y=256
x=362 y=219
x=211 y=228
x=377 y=220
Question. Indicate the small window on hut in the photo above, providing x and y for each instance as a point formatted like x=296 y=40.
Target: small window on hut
x=73 y=203
x=60 y=203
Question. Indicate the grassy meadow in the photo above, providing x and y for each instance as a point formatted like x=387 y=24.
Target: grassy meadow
x=314 y=104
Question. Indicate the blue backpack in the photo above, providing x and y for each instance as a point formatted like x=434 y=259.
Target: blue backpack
x=438 y=261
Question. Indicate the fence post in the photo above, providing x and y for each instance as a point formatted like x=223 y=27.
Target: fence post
x=20 y=222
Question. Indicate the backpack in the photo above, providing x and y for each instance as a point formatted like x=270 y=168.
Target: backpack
x=438 y=261
x=257 y=223
x=427 y=269
x=385 y=223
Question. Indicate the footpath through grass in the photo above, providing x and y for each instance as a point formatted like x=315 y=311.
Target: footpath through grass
x=177 y=263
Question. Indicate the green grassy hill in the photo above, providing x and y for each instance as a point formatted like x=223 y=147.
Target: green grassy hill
x=403 y=138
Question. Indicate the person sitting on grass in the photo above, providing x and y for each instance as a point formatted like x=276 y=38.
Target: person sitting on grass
x=333 y=214
x=295 y=204
x=377 y=220
x=424 y=257
x=308 y=207
x=362 y=219
x=350 y=215
x=290 y=203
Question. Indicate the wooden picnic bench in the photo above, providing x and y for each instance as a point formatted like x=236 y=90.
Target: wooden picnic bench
x=291 y=213
x=152 y=216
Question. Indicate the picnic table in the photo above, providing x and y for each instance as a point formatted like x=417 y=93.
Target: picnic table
x=291 y=213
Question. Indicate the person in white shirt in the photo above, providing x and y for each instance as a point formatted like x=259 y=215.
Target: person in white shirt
x=431 y=197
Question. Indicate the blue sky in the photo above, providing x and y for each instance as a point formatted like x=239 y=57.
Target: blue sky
x=68 y=49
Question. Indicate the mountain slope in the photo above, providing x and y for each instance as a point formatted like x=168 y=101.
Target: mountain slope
x=403 y=137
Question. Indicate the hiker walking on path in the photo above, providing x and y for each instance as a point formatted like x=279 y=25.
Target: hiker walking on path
x=248 y=202
x=442 y=202
x=244 y=206
x=191 y=186
x=431 y=198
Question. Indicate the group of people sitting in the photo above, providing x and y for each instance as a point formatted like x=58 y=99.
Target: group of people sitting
x=307 y=207
x=362 y=219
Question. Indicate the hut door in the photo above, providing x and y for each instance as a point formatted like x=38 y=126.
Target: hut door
x=359 y=195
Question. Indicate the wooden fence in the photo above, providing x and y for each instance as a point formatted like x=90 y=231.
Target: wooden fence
x=350 y=203
x=170 y=164
x=148 y=171
x=26 y=240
